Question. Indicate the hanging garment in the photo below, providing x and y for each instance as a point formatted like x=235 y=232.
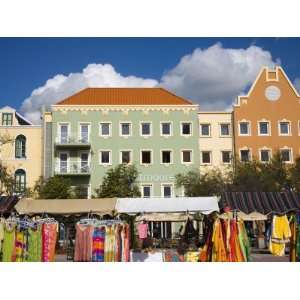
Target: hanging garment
x=243 y=240
x=174 y=256
x=293 y=240
x=20 y=246
x=281 y=233
x=109 y=246
x=35 y=244
x=191 y=256
x=219 y=248
x=83 y=242
x=49 y=236
x=1 y=234
x=118 y=243
x=142 y=229
x=126 y=244
x=98 y=244
x=8 y=248
x=236 y=254
x=189 y=231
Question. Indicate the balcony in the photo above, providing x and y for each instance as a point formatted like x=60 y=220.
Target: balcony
x=76 y=168
x=72 y=141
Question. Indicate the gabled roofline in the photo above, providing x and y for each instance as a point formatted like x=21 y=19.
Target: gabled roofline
x=23 y=118
x=277 y=68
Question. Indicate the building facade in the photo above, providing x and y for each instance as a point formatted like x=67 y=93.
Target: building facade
x=267 y=119
x=215 y=141
x=23 y=155
x=99 y=128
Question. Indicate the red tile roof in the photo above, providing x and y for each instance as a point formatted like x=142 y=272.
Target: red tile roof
x=124 y=96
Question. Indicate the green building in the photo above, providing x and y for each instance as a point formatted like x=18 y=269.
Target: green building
x=99 y=128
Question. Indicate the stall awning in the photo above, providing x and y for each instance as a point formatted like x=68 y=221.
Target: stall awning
x=262 y=202
x=66 y=206
x=205 y=205
x=7 y=204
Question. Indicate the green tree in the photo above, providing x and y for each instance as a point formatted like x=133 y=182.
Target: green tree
x=120 y=181
x=56 y=187
x=7 y=181
x=210 y=183
x=295 y=175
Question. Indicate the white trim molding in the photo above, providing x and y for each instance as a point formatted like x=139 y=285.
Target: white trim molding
x=110 y=129
x=130 y=129
x=269 y=127
x=151 y=157
x=181 y=156
x=289 y=127
x=181 y=128
x=265 y=148
x=141 y=130
x=110 y=157
x=171 y=128
x=249 y=127
x=209 y=129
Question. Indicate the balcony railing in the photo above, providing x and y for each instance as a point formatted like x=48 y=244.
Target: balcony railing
x=72 y=168
x=72 y=140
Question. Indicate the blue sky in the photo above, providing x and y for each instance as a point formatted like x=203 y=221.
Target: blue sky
x=27 y=63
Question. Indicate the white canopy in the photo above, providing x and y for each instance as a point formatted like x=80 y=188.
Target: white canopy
x=205 y=205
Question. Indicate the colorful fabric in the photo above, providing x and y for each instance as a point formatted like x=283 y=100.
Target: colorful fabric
x=49 y=236
x=118 y=243
x=109 y=246
x=174 y=256
x=83 y=242
x=8 y=248
x=35 y=244
x=126 y=244
x=142 y=229
x=298 y=243
x=98 y=245
x=219 y=253
x=20 y=246
x=281 y=233
x=1 y=234
x=191 y=256
x=293 y=240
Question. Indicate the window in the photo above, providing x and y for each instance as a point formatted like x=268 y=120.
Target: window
x=166 y=156
x=205 y=129
x=186 y=156
x=186 y=128
x=226 y=157
x=20 y=146
x=125 y=157
x=146 y=157
x=146 y=191
x=245 y=155
x=7 y=119
x=284 y=128
x=84 y=133
x=84 y=162
x=225 y=129
x=244 y=128
x=145 y=129
x=125 y=129
x=63 y=162
x=263 y=128
x=265 y=155
x=205 y=157
x=286 y=155
x=166 y=128
x=105 y=157
x=167 y=190
x=82 y=191
x=20 y=181
x=64 y=133
x=105 y=129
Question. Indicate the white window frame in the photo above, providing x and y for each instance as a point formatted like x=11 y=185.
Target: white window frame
x=68 y=160
x=79 y=157
x=89 y=130
x=130 y=129
x=220 y=129
x=143 y=164
x=59 y=130
x=221 y=158
x=265 y=149
x=162 y=185
x=181 y=128
x=110 y=129
x=171 y=129
x=258 y=128
x=250 y=153
x=210 y=158
x=142 y=185
x=161 y=157
x=249 y=128
x=209 y=129
x=141 y=131
x=291 y=154
x=181 y=156
x=289 y=126
x=110 y=157
x=131 y=155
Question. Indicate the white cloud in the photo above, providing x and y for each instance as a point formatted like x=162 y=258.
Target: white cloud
x=61 y=86
x=297 y=84
x=213 y=77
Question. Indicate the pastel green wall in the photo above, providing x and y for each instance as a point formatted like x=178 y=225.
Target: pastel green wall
x=135 y=142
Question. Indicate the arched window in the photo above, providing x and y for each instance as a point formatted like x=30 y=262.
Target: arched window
x=20 y=181
x=20 y=144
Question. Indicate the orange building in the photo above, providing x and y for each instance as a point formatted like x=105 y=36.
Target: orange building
x=267 y=120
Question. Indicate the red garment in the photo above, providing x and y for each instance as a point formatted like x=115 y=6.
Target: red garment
x=84 y=243
x=142 y=230
x=126 y=250
x=49 y=236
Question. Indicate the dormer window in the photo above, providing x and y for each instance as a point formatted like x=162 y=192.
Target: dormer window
x=7 y=119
